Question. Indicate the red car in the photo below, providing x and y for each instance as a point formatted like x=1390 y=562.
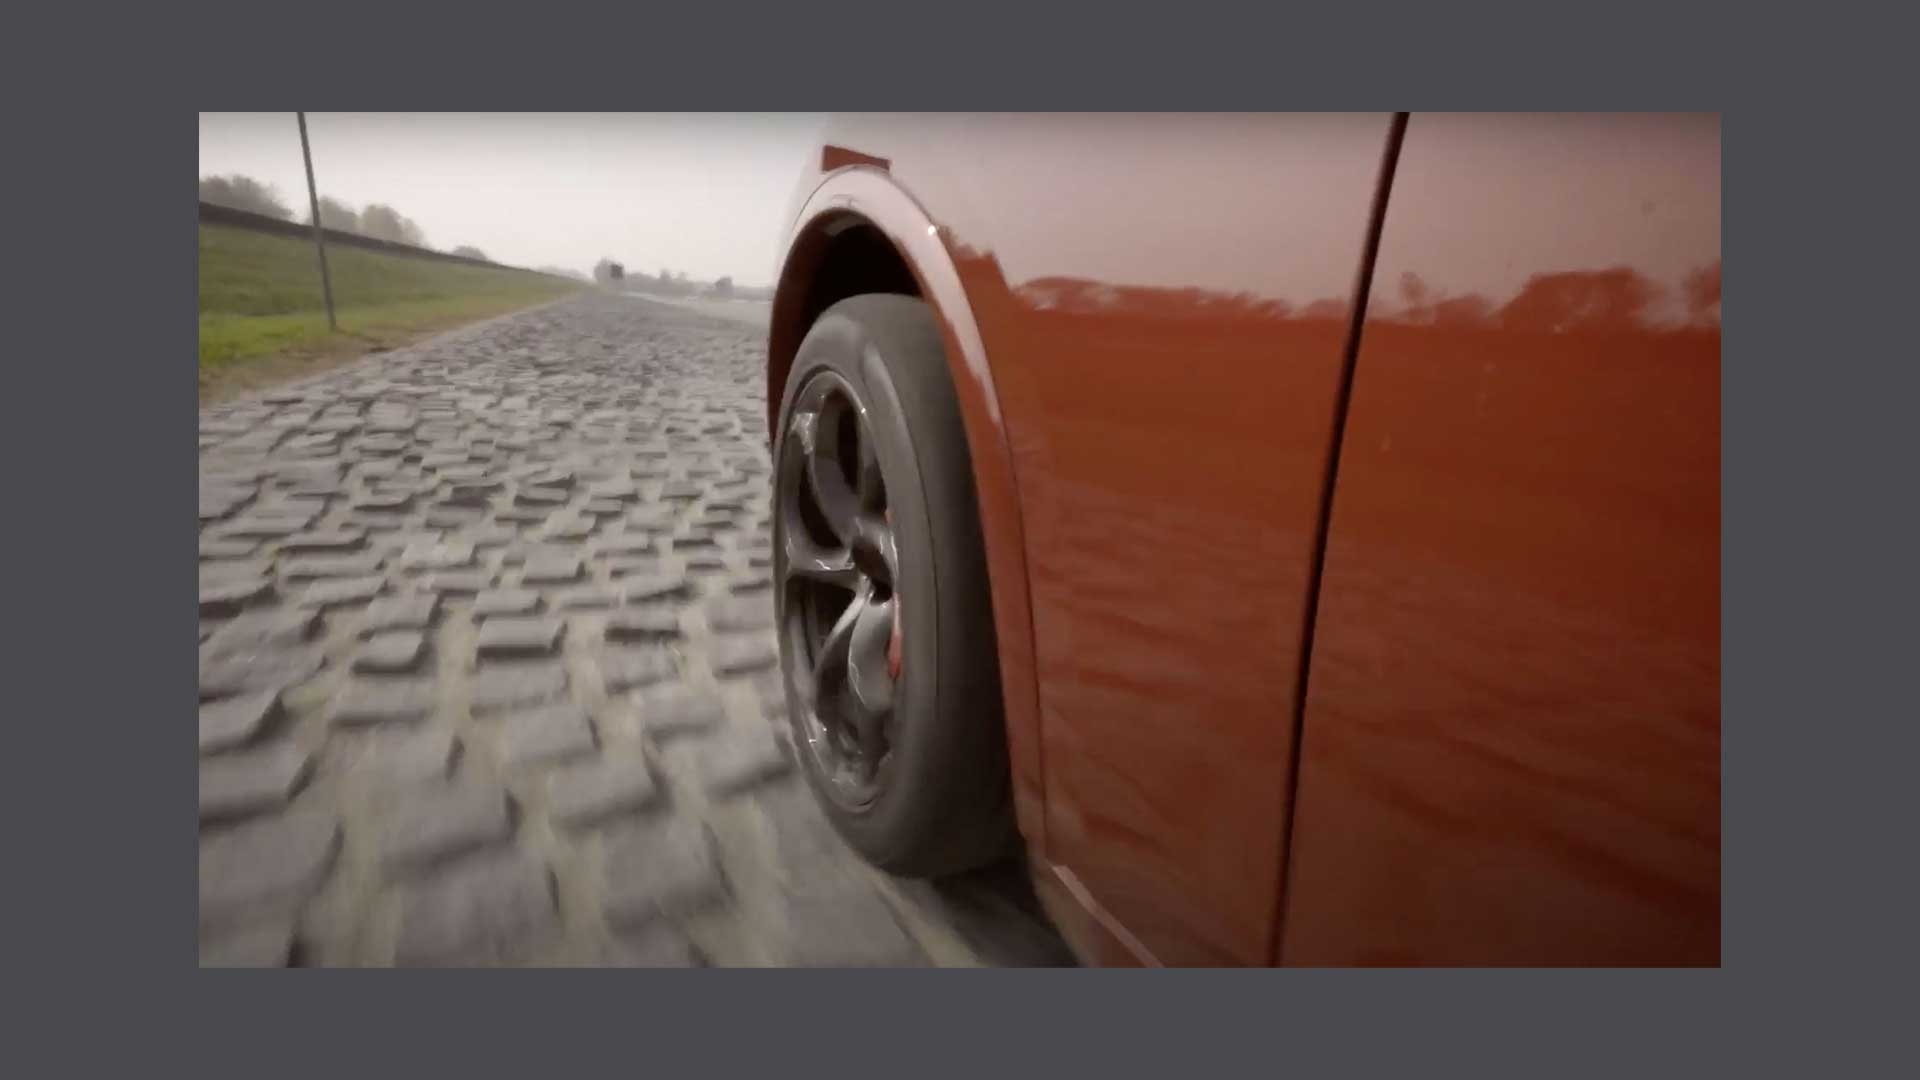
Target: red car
x=1300 y=534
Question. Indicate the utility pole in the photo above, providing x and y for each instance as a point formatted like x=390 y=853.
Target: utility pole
x=319 y=237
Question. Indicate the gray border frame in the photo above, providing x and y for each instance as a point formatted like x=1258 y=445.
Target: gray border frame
x=1817 y=505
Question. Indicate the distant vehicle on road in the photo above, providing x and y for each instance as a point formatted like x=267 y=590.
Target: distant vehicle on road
x=1299 y=534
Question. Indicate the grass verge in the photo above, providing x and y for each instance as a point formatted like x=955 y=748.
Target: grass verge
x=263 y=316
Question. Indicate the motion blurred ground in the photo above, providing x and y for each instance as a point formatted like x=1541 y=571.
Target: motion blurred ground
x=488 y=674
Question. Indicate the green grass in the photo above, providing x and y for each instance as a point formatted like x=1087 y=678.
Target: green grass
x=260 y=299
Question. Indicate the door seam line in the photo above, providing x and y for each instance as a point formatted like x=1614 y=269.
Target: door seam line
x=1343 y=398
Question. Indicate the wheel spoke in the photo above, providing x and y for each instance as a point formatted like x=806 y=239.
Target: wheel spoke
x=805 y=559
x=830 y=663
x=872 y=548
x=867 y=674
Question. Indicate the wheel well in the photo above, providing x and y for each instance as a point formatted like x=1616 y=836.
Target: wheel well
x=844 y=255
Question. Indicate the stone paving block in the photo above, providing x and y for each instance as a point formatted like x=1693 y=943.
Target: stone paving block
x=413 y=757
x=629 y=667
x=586 y=598
x=230 y=722
x=443 y=555
x=742 y=614
x=390 y=652
x=486 y=910
x=555 y=479
x=647 y=622
x=309 y=567
x=514 y=684
x=383 y=699
x=733 y=654
x=739 y=759
x=518 y=635
x=678 y=709
x=436 y=823
x=545 y=734
x=226 y=596
x=275 y=860
x=471 y=475
x=625 y=544
x=489 y=535
x=383 y=501
x=454 y=516
x=594 y=790
x=613 y=490
x=340 y=592
x=641 y=589
x=226 y=673
x=461 y=582
x=250 y=781
x=548 y=498
x=472 y=494
x=236 y=548
x=261 y=526
x=506 y=602
x=750 y=583
x=549 y=568
x=445 y=460
x=403 y=611
x=669 y=870
x=643 y=565
x=323 y=540
x=603 y=508
x=572 y=528
x=652 y=517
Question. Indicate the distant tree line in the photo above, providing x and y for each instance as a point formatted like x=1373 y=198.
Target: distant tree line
x=668 y=282
x=376 y=220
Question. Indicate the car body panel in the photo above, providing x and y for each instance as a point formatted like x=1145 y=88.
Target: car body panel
x=1163 y=301
x=1512 y=734
x=1509 y=746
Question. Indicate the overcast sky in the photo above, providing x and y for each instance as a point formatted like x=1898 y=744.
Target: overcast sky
x=699 y=193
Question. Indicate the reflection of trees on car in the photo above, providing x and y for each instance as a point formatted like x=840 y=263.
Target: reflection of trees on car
x=1703 y=293
x=1575 y=300
x=1578 y=300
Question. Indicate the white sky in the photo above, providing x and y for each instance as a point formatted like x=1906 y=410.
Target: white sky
x=702 y=193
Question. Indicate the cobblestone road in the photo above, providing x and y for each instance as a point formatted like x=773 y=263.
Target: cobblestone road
x=488 y=675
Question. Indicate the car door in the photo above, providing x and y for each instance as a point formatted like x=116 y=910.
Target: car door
x=1512 y=733
x=1164 y=301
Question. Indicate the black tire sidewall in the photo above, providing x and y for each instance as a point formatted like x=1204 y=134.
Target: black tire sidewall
x=942 y=805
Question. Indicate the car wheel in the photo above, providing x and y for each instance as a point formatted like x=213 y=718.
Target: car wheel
x=886 y=625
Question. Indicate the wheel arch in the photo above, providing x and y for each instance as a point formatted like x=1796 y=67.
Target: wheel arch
x=860 y=232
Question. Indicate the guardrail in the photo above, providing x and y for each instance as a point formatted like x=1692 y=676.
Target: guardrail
x=215 y=214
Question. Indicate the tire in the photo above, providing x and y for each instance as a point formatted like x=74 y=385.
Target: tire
x=939 y=801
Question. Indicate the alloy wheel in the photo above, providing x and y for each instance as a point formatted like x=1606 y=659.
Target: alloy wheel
x=838 y=569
